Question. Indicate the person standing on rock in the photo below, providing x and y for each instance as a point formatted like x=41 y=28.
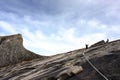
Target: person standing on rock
x=107 y=41
x=86 y=46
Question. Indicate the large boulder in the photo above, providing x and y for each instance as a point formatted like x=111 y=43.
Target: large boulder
x=12 y=50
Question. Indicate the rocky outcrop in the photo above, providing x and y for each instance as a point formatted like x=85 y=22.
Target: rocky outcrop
x=66 y=66
x=72 y=70
x=102 y=42
x=12 y=50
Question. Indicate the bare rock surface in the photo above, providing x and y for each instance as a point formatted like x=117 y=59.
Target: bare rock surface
x=12 y=50
x=65 y=66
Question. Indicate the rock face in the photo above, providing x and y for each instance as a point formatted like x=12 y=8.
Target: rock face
x=66 y=66
x=12 y=50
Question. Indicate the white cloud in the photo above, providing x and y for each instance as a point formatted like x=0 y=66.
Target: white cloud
x=78 y=42
x=51 y=45
x=113 y=9
x=7 y=27
x=40 y=41
x=114 y=28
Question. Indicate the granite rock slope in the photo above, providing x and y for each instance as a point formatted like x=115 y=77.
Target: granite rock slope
x=69 y=66
x=12 y=50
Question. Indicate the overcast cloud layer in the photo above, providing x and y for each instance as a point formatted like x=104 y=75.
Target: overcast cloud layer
x=55 y=26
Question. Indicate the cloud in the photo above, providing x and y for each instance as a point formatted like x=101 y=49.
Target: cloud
x=88 y=8
x=7 y=27
x=58 y=43
x=47 y=43
x=105 y=11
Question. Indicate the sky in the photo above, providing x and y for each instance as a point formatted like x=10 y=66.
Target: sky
x=50 y=27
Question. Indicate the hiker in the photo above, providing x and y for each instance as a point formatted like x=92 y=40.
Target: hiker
x=86 y=46
x=107 y=41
